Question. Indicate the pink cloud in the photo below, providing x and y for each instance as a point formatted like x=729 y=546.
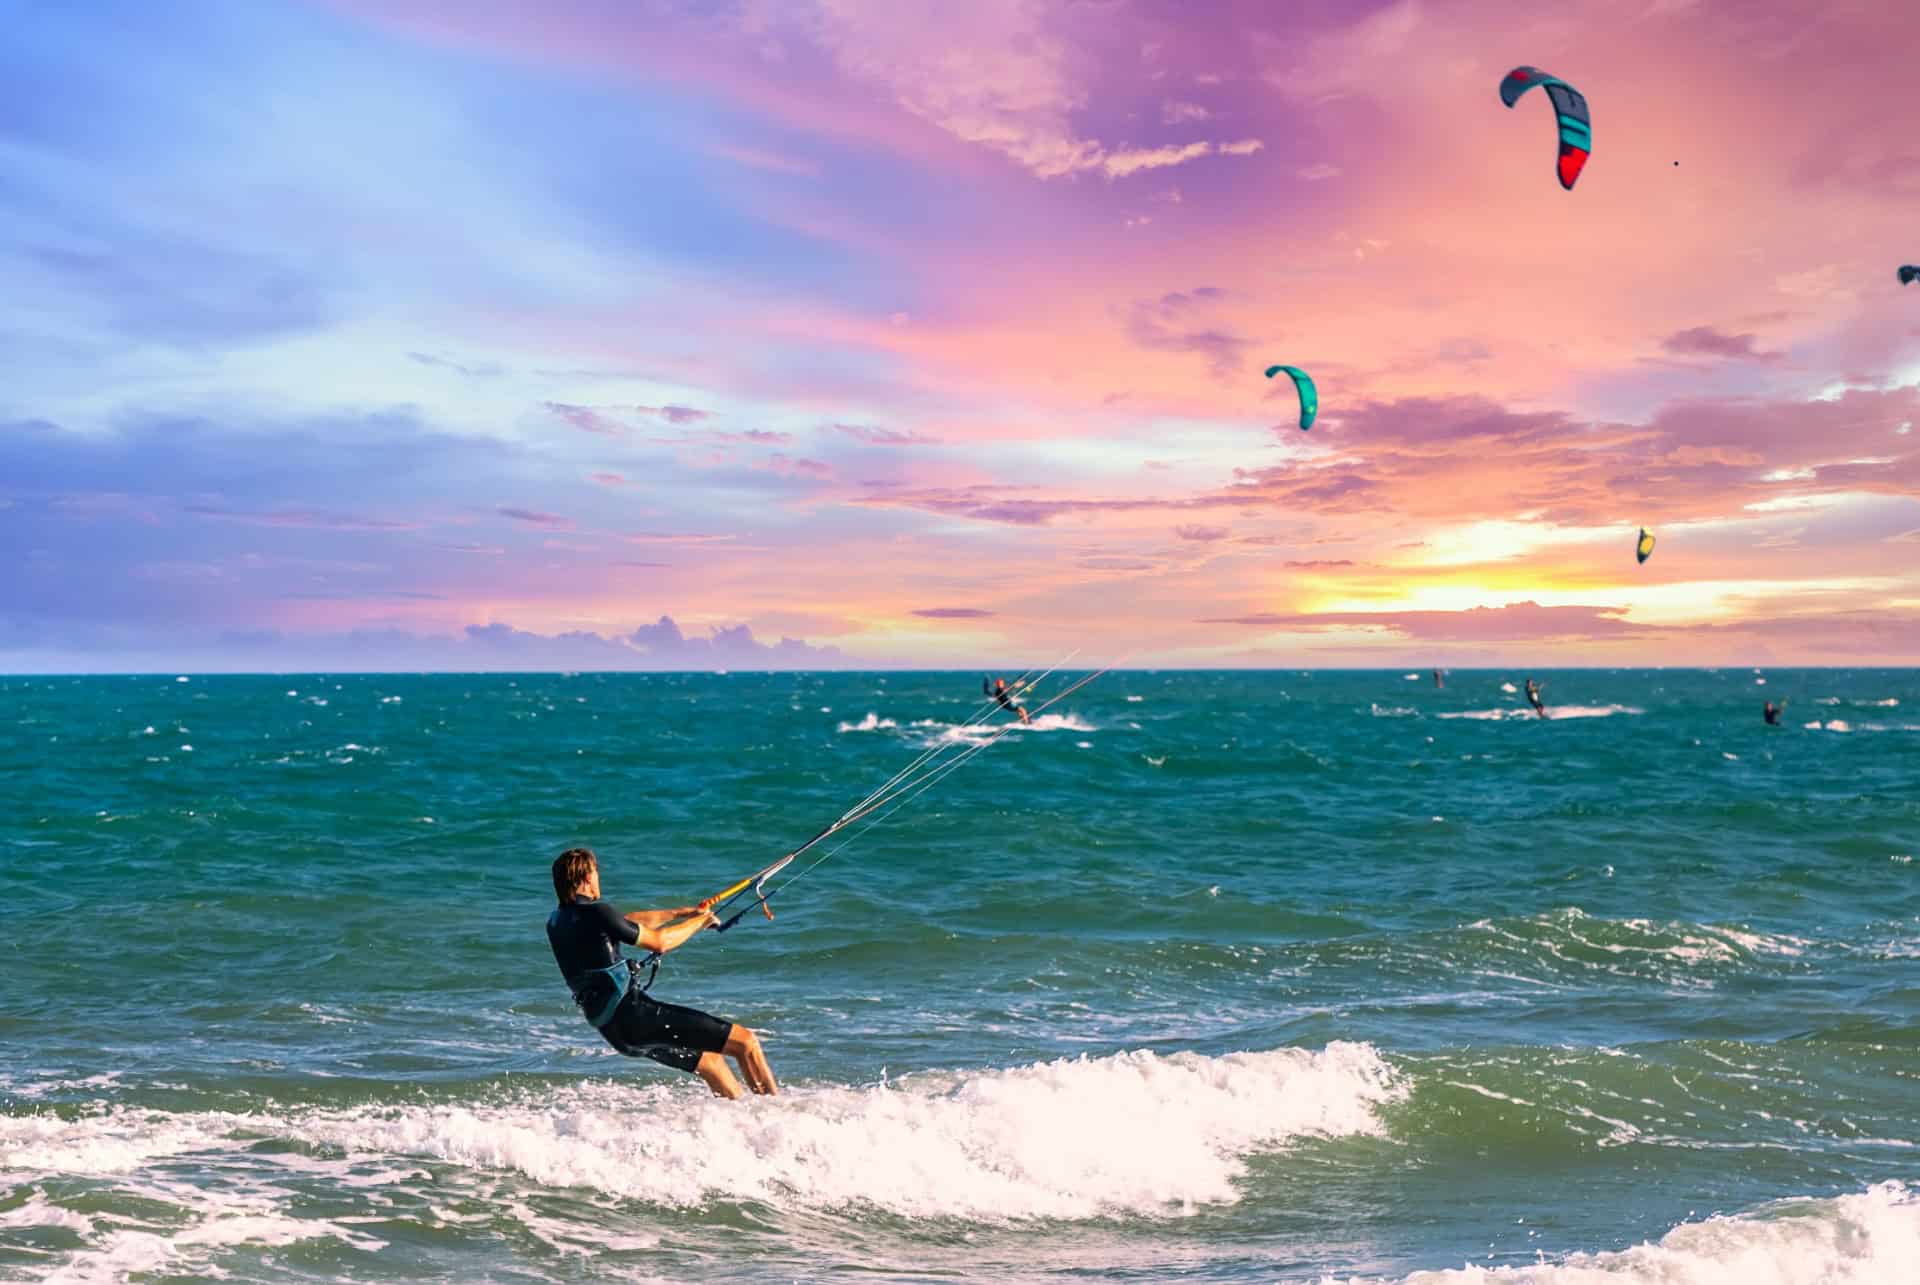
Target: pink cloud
x=885 y=436
x=586 y=419
x=675 y=414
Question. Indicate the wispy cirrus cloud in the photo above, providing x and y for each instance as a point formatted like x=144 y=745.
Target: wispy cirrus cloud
x=885 y=436
x=533 y=517
x=675 y=414
x=952 y=613
x=474 y=370
x=301 y=518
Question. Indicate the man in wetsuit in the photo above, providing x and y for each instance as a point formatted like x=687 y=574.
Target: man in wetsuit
x=1002 y=693
x=586 y=934
x=1533 y=698
x=1771 y=712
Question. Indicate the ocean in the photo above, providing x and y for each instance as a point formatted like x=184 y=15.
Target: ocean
x=1206 y=976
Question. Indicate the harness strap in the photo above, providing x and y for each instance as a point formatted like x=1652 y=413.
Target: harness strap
x=622 y=974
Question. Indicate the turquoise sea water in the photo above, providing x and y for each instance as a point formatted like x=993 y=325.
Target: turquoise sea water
x=1210 y=976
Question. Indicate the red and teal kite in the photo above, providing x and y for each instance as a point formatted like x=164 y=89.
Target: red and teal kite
x=1576 y=126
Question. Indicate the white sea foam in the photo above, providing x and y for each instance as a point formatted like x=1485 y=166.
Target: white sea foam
x=1553 y=712
x=871 y=723
x=976 y=733
x=1509 y=688
x=1029 y=1142
x=1869 y=1238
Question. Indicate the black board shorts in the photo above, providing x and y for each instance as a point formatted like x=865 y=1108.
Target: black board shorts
x=670 y=1034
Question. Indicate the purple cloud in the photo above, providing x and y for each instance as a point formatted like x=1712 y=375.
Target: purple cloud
x=663 y=645
x=1705 y=341
x=551 y=521
x=1203 y=534
x=1162 y=325
x=885 y=436
x=952 y=613
x=586 y=419
x=675 y=414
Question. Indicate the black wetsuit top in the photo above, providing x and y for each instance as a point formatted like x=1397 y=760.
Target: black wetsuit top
x=586 y=937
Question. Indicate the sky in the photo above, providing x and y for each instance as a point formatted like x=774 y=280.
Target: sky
x=465 y=334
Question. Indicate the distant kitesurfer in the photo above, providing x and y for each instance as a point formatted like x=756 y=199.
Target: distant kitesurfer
x=1439 y=678
x=1771 y=712
x=1533 y=698
x=999 y=690
x=586 y=934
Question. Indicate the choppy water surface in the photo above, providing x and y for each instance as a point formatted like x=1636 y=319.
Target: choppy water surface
x=1224 y=977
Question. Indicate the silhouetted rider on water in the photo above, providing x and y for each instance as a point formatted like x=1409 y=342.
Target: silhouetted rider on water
x=1533 y=698
x=999 y=690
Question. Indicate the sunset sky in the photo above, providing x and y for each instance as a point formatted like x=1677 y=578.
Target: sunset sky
x=430 y=334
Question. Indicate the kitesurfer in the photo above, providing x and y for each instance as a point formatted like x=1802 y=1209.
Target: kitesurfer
x=1771 y=712
x=1439 y=678
x=1533 y=698
x=1004 y=694
x=586 y=934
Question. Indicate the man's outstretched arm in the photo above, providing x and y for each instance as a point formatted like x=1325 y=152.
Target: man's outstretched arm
x=659 y=918
x=662 y=940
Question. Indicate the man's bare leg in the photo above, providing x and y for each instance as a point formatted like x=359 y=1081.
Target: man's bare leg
x=713 y=1069
x=743 y=1046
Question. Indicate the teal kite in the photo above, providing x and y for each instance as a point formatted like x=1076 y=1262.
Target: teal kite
x=1569 y=108
x=1309 y=395
x=1907 y=273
